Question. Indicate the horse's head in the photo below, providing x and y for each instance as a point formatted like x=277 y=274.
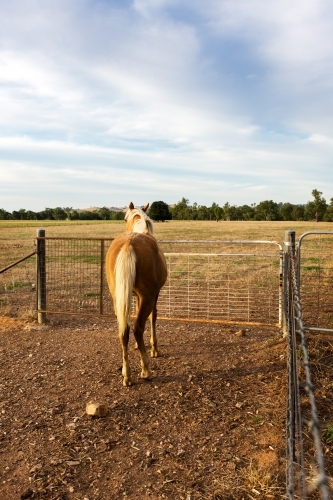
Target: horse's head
x=137 y=221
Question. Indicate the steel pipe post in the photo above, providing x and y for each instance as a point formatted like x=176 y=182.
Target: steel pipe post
x=41 y=276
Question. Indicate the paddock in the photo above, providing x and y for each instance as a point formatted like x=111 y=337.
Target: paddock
x=225 y=293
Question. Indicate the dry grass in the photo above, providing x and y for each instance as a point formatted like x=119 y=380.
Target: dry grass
x=172 y=229
x=17 y=238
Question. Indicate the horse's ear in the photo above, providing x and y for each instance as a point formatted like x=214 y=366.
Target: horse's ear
x=145 y=208
x=131 y=206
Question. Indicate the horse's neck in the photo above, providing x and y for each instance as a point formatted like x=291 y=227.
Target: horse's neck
x=143 y=226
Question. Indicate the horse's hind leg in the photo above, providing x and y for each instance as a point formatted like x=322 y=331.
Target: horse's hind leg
x=137 y=306
x=126 y=371
x=153 y=338
x=139 y=326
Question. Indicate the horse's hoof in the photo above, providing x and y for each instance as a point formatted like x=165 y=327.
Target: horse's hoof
x=154 y=353
x=127 y=382
x=146 y=375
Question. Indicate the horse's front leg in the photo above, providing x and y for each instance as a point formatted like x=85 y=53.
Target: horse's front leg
x=153 y=338
x=126 y=371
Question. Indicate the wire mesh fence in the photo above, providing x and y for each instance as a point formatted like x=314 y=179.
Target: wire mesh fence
x=74 y=274
x=222 y=281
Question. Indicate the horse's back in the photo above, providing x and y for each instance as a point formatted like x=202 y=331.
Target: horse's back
x=150 y=260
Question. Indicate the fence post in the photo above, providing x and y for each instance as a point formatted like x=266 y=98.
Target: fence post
x=41 y=276
x=289 y=243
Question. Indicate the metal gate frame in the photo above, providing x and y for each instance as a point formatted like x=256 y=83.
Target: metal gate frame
x=298 y=250
x=42 y=308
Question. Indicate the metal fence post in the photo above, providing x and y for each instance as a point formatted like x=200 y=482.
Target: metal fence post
x=289 y=244
x=41 y=276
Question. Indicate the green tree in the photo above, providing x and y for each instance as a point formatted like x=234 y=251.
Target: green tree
x=59 y=213
x=179 y=210
x=104 y=213
x=74 y=215
x=47 y=214
x=117 y=215
x=298 y=212
x=23 y=214
x=202 y=212
x=4 y=215
x=286 y=211
x=328 y=217
x=16 y=215
x=267 y=210
x=315 y=209
x=218 y=212
x=245 y=212
x=230 y=211
x=30 y=215
x=159 y=210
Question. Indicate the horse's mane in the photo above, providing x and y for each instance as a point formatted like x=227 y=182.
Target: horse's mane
x=141 y=224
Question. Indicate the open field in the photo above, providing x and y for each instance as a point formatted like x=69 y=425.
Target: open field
x=224 y=230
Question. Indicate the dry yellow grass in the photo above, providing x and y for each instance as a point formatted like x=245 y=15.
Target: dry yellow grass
x=225 y=230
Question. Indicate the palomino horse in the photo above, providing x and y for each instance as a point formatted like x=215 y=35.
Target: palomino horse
x=135 y=264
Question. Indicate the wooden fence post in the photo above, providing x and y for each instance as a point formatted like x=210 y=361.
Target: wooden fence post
x=41 y=277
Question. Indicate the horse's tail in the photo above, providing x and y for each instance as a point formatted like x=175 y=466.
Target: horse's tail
x=125 y=273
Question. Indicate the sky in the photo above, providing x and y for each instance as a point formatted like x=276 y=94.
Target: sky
x=112 y=101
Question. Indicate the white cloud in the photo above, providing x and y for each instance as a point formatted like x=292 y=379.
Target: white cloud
x=221 y=99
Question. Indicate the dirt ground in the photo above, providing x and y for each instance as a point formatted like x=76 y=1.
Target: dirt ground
x=209 y=425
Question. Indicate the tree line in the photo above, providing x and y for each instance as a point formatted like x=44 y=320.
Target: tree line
x=268 y=210
x=62 y=213
x=316 y=209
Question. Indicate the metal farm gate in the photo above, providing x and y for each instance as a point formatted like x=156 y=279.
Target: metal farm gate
x=315 y=277
x=208 y=281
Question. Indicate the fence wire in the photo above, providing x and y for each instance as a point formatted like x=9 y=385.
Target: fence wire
x=299 y=367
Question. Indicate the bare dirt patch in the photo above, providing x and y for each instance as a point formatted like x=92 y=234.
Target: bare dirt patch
x=210 y=425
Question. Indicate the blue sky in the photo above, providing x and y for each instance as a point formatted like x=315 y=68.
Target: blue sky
x=107 y=102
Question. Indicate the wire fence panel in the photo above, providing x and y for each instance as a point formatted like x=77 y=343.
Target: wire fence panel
x=75 y=276
x=315 y=254
x=227 y=281
x=18 y=289
x=220 y=287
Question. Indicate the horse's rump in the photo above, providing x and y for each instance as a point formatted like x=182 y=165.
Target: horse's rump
x=125 y=274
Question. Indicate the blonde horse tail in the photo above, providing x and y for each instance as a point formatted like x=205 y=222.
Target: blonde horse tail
x=125 y=273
